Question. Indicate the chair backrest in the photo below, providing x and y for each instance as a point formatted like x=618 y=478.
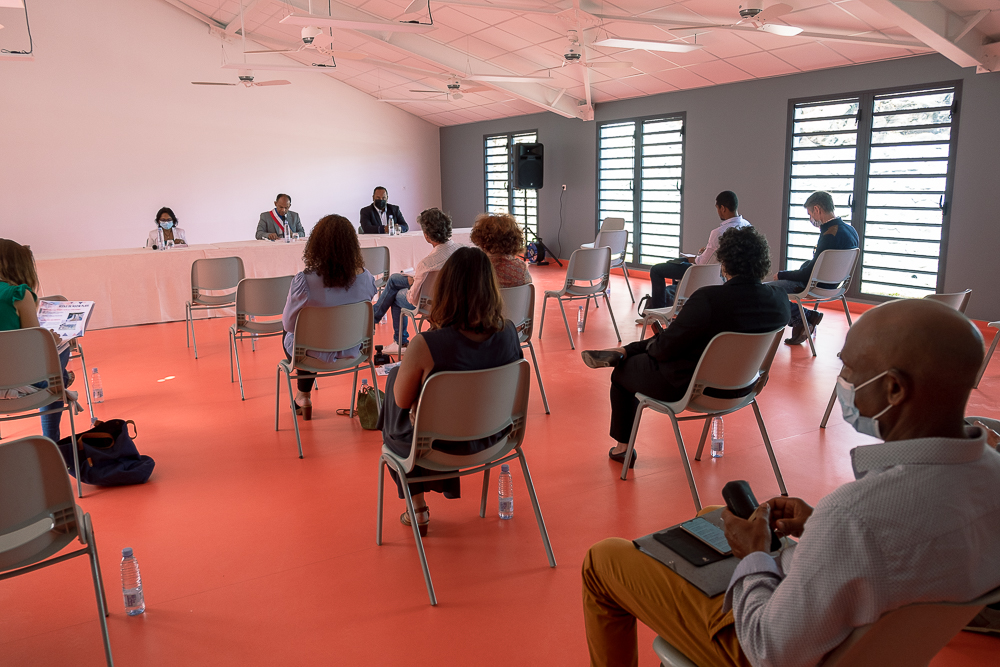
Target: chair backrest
x=35 y=493
x=376 y=261
x=28 y=356
x=958 y=300
x=54 y=297
x=425 y=299
x=588 y=266
x=730 y=372
x=333 y=329
x=833 y=267
x=519 y=308
x=910 y=635
x=470 y=405
x=611 y=224
x=261 y=297
x=617 y=240
x=696 y=277
x=216 y=273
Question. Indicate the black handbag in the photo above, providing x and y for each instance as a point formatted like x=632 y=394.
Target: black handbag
x=108 y=456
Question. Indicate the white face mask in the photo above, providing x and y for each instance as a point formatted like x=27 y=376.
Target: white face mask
x=166 y=224
x=815 y=223
x=845 y=394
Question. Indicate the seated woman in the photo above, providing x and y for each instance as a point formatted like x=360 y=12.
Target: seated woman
x=335 y=275
x=468 y=334
x=18 y=310
x=501 y=239
x=166 y=230
x=661 y=367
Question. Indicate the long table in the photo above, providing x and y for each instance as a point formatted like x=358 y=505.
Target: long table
x=139 y=286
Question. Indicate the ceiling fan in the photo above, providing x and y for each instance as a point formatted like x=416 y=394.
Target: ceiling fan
x=313 y=39
x=752 y=14
x=246 y=79
x=574 y=56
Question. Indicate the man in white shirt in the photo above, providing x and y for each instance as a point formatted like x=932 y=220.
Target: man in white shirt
x=918 y=524
x=726 y=205
x=436 y=226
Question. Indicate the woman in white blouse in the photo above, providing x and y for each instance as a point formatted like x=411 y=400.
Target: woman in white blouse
x=166 y=231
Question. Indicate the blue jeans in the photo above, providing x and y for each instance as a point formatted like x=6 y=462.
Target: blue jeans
x=391 y=299
x=50 y=418
x=791 y=287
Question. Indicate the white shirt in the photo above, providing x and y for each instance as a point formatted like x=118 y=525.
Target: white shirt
x=382 y=216
x=434 y=260
x=708 y=257
x=921 y=523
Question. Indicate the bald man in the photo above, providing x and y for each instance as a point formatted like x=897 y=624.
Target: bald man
x=918 y=524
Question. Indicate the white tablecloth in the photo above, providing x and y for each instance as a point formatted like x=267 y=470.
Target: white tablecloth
x=146 y=286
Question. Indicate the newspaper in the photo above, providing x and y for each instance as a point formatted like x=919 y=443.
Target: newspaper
x=67 y=318
x=384 y=369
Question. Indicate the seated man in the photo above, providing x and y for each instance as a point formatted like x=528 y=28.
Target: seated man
x=834 y=234
x=726 y=205
x=436 y=226
x=918 y=524
x=375 y=219
x=272 y=223
x=662 y=366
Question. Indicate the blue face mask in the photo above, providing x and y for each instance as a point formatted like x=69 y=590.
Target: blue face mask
x=166 y=224
x=845 y=394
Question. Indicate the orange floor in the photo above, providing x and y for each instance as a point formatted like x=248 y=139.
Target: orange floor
x=251 y=556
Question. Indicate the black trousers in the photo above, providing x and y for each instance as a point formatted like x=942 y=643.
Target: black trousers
x=305 y=380
x=658 y=275
x=637 y=373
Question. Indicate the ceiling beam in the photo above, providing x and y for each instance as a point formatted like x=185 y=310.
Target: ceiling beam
x=212 y=23
x=939 y=28
x=234 y=25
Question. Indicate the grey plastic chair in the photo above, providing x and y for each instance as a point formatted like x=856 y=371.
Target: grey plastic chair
x=608 y=225
x=732 y=371
x=39 y=518
x=462 y=406
x=215 y=274
x=256 y=297
x=989 y=354
x=906 y=637
x=587 y=277
x=328 y=329
x=422 y=302
x=377 y=262
x=957 y=300
x=696 y=277
x=617 y=240
x=27 y=357
x=76 y=352
x=831 y=267
x=519 y=308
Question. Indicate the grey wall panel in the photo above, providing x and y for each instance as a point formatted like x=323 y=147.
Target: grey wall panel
x=736 y=140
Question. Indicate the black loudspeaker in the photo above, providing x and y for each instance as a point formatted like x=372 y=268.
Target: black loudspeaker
x=528 y=166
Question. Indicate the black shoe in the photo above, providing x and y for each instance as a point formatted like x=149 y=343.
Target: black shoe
x=813 y=318
x=799 y=335
x=601 y=358
x=620 y=458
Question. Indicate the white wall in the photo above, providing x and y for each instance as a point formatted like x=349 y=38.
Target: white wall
x=104 y=127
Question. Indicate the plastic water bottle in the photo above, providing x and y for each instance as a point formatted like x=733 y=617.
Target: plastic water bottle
x=718 y=442
x=579 y=319
x=392 y=225
x=287 y=234
x=506 y=488
x=364 y=386
x=132 y=584
x=96 y=387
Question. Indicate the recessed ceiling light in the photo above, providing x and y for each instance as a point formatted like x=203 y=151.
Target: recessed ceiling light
x=673 y=47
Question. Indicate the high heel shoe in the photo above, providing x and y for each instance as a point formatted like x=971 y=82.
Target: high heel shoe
x=404 y=519
x=304 y=407
x=620 y=458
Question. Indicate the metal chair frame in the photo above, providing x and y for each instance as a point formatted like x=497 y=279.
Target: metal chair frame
x=583 y=287
x=696 y=277
x=815 y=295
x=524 y=322
x=246 y=326
x=377 y=257
x=220 y=270
x=76 y=352
x=422 y=306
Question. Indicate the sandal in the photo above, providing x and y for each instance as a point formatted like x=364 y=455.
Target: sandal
x=404 y=519
x=304 y=407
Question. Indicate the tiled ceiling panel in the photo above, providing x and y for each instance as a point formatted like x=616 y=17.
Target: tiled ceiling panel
x=470 y=38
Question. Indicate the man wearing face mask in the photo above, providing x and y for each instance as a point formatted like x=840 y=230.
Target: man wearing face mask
x=166 y=230
x=375 y=219
x=274 y=223
x=917 y=524
x=834 y=234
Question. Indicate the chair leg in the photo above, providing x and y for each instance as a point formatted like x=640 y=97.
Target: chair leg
x=253 y=342
x=613 y=321
x=642 y=336
x=805 y=323
x=486 y=486
x=416 y=536
x=566 y=322
x=847 y=311
x=704 y=437
x=986 y=360
x=686 y=462
x=194 y=339
x=631 y=439
x=627 y=283
x=232 y=344
x=541 y=325
x=295 y=418
x=354 y=393
x=95 y=571
x=187 y=324
x=239 y=371
x=538 y=510
x=770 y=451
x=277 y=397
x=538 y=374
x=86 y=384
x=586 y=312
x=378 y=400
x=76 y=453
x=381 y=495
x=829 y=408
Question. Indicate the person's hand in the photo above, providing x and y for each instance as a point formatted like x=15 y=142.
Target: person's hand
x=272 y=237
x=59 y=341
x=179 y=242
x=409 y=279
x=992 y=437
x=702 y=251
x=789 y=515
x=745 y=536
x=775 y=277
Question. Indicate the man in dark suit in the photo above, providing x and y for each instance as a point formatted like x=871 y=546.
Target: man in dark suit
x=375 y=219
x=661 y=367
x=272 y=224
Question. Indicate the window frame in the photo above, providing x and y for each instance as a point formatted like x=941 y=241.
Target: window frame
x=859 y=200
x=510 y=180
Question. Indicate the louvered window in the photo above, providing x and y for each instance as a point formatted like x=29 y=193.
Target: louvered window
x=889 y=158
x=501 y=197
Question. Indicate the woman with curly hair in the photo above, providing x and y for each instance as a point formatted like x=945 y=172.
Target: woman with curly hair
x=662 y=366
x=335 y=275
x=501 y=238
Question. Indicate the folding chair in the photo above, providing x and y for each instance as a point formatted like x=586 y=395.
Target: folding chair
x=696 y=277
x=216 y=274
x=256 y=297
x=519 y=308
x=957 y=300
x=989 y=354
x=28 y=357
x=832 y=267
x=328 y=329
x=587 y=277
x=906 y=637
x=422 y=304
x=617 y=240
x=732 y=371
x=76 y=352
x=377 y=262
x=609 y=225
x=38 y=517
x=462 y=406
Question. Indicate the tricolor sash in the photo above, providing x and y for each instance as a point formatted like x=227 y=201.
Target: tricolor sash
x=277 y=221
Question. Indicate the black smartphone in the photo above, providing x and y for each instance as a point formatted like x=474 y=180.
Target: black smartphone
x=741 y=502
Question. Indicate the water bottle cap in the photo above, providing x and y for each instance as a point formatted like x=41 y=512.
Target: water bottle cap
x=127 y=552
x=95 y=369
x=504 y=468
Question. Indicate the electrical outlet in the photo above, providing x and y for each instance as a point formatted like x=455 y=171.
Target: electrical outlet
x=564 y=187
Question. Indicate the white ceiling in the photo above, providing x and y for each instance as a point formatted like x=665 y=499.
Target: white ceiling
x=520 y=37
